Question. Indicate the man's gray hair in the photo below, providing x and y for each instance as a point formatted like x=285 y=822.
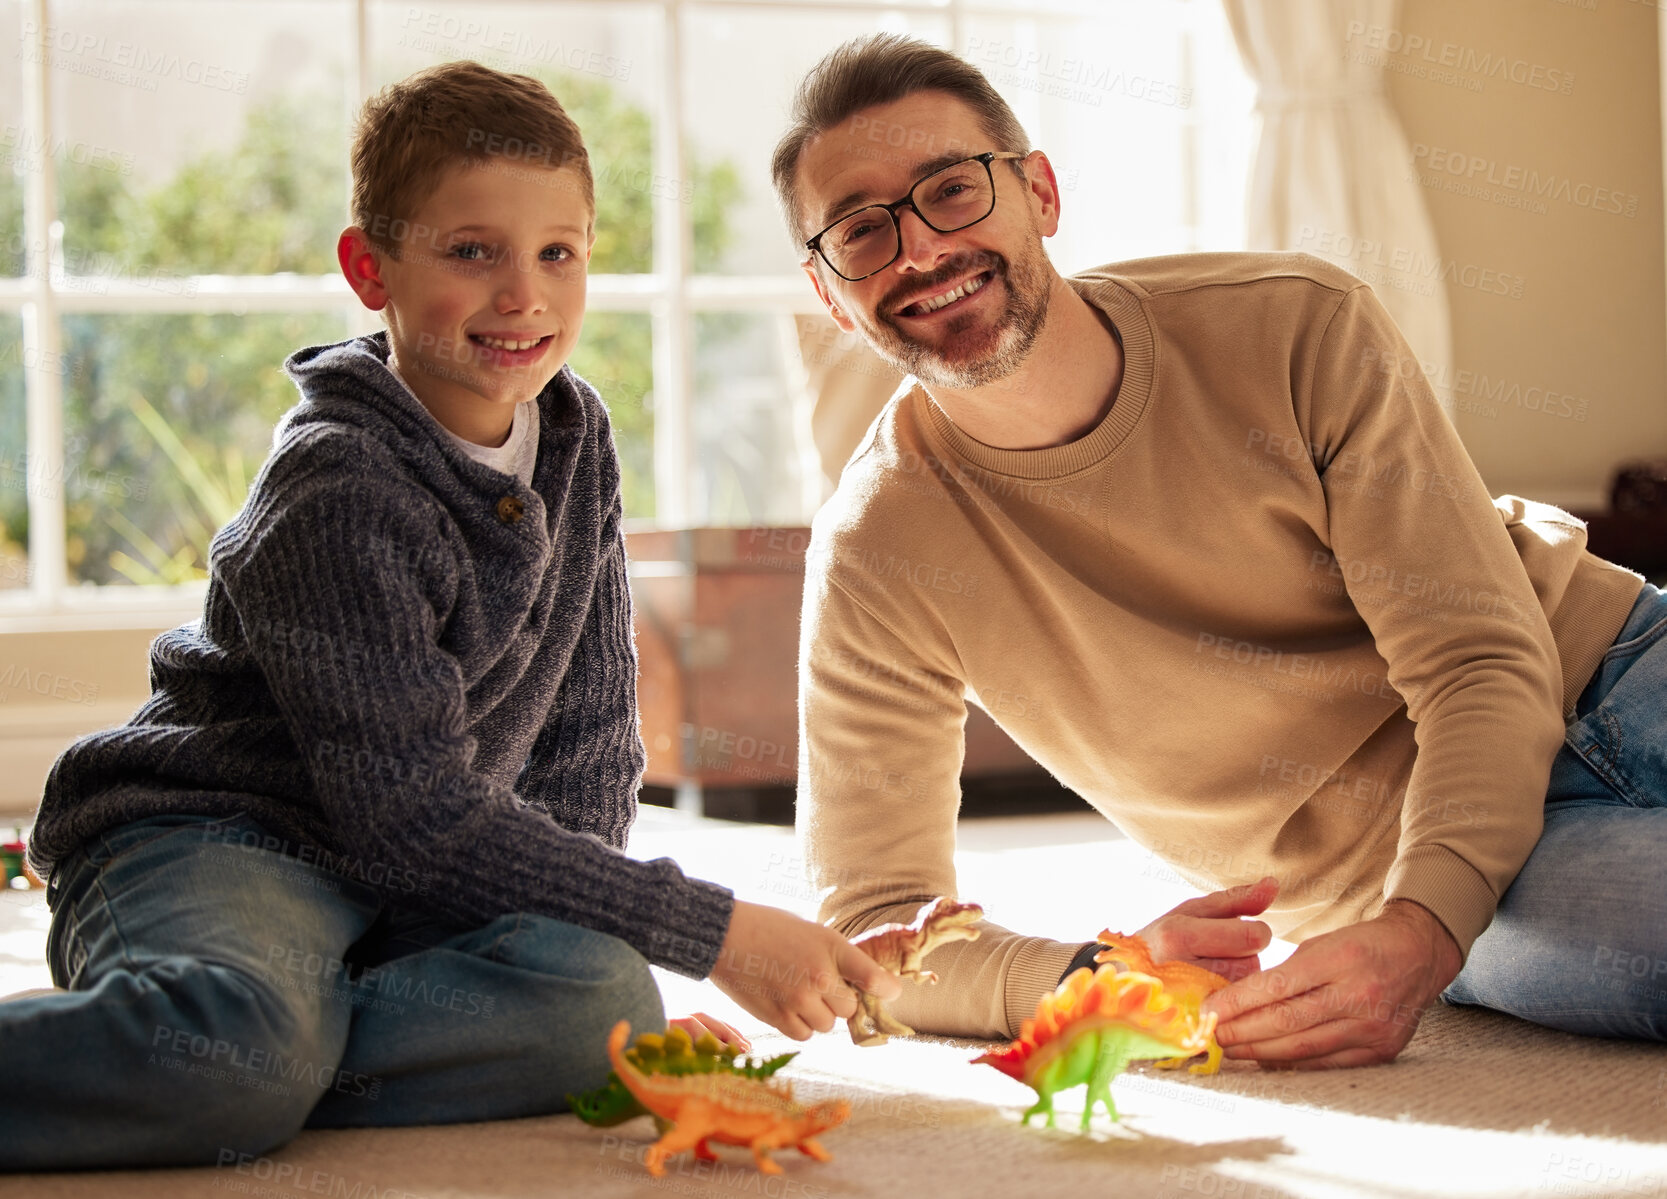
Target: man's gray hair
x=878 y=69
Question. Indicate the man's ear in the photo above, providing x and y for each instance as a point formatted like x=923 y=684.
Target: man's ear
x=1044 y=191
x=361 y=263
x=834 y=310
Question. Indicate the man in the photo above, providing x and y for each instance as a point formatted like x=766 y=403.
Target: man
x=1187 y=531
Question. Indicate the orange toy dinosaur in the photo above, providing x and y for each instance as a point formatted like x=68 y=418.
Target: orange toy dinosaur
x=1186 y=984
x=759 y=1113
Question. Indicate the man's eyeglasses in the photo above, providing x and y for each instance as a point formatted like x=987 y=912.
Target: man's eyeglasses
x=868 y=240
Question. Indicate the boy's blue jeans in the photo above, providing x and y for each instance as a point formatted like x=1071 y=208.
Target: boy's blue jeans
x=223 y=996
x=1580 y=938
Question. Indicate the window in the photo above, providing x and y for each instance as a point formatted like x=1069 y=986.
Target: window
x=173 y=176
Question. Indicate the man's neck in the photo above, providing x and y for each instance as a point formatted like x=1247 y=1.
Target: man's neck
x=1060 y=393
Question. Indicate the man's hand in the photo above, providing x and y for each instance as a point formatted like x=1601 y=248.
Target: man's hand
x=795 y=974
x=1209 y=931
x=1348 y=998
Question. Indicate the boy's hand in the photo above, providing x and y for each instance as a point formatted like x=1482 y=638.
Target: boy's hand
x=700 y=1022
x=1209 y=932
x=795 y=974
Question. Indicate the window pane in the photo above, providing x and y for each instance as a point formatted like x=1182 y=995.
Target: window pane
x=1155 y=86
x=1083 y=8
x=16 y=145
x=751 y=464
x=614 y=355
x=740 y=71
x=200 y=137
x=14 y=474
x=1223 y=102
x=164 y=430
x=601 y=61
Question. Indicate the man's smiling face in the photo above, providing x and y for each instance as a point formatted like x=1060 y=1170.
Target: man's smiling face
x=994 y=275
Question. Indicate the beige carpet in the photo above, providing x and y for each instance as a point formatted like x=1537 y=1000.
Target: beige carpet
x=1478 y=1105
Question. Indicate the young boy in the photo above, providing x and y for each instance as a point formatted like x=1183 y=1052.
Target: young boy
x=357 y=860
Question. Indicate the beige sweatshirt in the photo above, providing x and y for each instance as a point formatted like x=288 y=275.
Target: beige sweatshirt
x=1265 y=617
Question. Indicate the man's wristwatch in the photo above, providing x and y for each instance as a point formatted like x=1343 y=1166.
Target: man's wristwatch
x=1084 y=957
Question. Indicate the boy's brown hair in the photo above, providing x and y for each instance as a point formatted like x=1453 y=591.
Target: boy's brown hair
x=411 y=132
x=877 y=69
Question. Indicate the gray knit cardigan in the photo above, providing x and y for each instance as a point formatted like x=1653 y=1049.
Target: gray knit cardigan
x=414 y=669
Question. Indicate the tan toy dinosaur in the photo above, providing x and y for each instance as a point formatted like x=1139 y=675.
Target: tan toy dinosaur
x=731 y=1109
x=1186 y=984
x=901 y=948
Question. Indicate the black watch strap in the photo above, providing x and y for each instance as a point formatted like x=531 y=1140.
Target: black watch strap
x=1084 y=957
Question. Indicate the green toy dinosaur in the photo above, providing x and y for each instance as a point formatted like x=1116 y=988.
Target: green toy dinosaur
x=671 y=1052
x=1090 y=1029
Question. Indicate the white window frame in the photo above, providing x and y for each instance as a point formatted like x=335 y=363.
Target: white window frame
x=671 y=295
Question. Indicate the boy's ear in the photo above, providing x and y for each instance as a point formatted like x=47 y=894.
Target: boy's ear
x=361 y=263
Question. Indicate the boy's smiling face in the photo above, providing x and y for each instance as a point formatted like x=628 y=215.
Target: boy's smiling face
x=486 y=299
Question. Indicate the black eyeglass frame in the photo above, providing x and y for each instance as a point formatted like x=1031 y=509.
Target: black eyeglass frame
x=814 y=245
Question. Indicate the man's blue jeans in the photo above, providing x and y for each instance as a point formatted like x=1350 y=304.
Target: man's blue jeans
x=222 y=996
x=1580 y=939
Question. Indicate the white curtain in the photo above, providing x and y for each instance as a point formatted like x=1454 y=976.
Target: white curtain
x=1334 y=175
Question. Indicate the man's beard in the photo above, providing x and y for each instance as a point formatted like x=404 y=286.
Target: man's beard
x=1001 y=352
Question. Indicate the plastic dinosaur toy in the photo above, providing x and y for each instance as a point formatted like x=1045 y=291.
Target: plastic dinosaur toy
x=1090 y=1029
x=669 y=1053
x=1187 y=984
x=901 y=948
x=726 y=1107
